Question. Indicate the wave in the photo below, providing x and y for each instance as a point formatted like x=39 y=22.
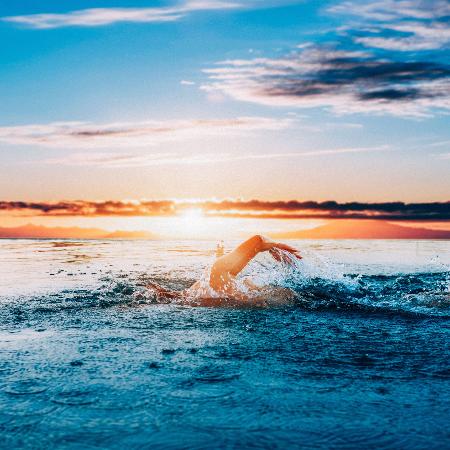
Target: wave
x=419 y=293
x=313 y=284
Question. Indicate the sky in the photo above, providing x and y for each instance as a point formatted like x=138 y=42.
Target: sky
x=338 y=100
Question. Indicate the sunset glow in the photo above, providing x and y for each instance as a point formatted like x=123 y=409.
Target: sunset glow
x=338 y=110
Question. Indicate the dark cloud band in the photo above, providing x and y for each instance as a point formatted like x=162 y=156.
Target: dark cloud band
x=345 y=81
x=234 y=208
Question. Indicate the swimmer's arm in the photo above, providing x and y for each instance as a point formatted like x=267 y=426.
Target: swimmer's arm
x=228 y=266
x=257 y=244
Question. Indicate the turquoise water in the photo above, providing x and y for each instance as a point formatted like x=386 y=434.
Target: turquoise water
x=89 y=359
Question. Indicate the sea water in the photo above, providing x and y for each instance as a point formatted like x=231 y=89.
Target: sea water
x=90 y=359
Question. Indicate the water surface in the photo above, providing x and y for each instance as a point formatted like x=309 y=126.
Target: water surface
x=88 y=359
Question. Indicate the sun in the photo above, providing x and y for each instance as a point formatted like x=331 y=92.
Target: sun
x=190 y=222
x=192 y=214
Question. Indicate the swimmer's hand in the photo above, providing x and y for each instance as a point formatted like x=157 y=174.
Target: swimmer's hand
x=284 y=256
x=280 y=256
x=287 y=248
x=278 y=251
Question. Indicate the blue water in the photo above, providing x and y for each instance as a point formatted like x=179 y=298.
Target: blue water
x=359 y=359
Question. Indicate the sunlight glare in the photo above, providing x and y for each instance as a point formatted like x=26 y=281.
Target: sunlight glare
x=191 y=223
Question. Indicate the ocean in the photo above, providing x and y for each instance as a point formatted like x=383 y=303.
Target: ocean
x=89 y=359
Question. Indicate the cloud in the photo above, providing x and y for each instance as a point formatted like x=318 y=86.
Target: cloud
x=235 y=208
x=90 y=208
x=105 y=16
x=335 y=210
x=385 y=10
x=345 y=81
x=409 y=36
x=132 y=134
x=376 y=79
x=398 y=25
x=445 y=143
x=112 y=160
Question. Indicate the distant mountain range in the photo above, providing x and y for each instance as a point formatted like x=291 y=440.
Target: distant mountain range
x=363 y=229
x=337 y=229
x=38 y=231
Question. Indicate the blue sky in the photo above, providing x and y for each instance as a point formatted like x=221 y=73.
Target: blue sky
x=318 y=100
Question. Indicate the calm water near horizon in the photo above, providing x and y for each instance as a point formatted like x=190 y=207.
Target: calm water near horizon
x=89 y=359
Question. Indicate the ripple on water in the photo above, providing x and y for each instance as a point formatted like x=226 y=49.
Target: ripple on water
x=116 y=400
x=215 y=374
x=181 y=439
x=7 y=368
x=189 y=391
x=354 y=434
x=24 y=407
x=75 y=397
x=26 y=387
x=204 y=384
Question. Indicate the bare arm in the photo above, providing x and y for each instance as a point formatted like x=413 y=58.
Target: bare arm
x=228 y=266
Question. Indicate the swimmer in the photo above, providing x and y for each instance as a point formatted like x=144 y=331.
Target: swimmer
x=222 y=279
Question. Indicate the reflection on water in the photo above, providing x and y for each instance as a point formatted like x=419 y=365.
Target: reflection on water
x=88 y=360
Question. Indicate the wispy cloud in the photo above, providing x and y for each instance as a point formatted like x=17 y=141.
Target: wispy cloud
x=399 y=25
x=132 y=134
x=93 y=17
x=346 y=81
x=235 y=208
x=385 y=10
x=445 y=143
x=113 y=160
x=409 y=36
